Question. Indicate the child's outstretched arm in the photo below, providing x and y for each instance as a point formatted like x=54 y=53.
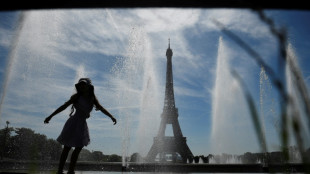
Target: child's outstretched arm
x=99 y=107
x=61 y=108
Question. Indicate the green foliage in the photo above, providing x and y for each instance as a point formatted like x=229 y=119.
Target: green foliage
x=5 y=145
x=114 y=158
x=136 y=157
x=25 y=144
x=28 y=145
x=98 y=156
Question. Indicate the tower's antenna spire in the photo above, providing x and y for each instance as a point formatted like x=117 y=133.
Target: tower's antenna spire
x=169 y=42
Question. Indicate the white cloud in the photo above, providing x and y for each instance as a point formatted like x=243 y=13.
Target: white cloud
x=167 y=20
x=244 y=21
x=182 y=91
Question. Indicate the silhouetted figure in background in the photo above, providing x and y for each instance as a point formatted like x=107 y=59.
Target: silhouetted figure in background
x=75 y=131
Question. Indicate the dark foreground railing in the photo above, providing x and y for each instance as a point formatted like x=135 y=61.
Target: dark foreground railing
x=30 y=166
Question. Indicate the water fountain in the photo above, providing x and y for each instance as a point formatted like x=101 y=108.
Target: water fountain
x=137 y=71
x=263 y=80
x=234 y=118
x=11 y=57
x=296 y=109
x=267 y=106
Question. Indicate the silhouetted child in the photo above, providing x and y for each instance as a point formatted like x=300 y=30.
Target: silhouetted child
x=75 y=131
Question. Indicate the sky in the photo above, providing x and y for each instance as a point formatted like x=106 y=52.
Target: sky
x=43 y=53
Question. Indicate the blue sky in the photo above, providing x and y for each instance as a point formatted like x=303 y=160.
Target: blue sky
x=123 y=52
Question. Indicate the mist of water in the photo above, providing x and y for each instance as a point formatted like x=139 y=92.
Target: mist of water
x=232 y=127
x=11 y=58
x=296 y=108
x=263 y=79
x=80 y=73
x=264 y=98
x=137 y=75
x=30 y=69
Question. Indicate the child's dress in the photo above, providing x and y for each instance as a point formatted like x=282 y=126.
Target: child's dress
x=75 y=131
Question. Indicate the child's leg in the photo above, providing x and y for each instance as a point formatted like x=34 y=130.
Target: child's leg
x=63 y=158
x=74 y=158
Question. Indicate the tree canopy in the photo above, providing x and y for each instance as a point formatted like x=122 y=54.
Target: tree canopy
x=25 y=144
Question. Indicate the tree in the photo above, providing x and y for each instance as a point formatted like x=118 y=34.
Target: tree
x=24 y=141
x=28 y=145
x=54 y=149
x=85 y=155
x=115 y=158
x=97 y=156
x=5 y=136
x=249 y=158
x=136 y=157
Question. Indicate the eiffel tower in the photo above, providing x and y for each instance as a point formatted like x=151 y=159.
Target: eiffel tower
x=169 y=146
